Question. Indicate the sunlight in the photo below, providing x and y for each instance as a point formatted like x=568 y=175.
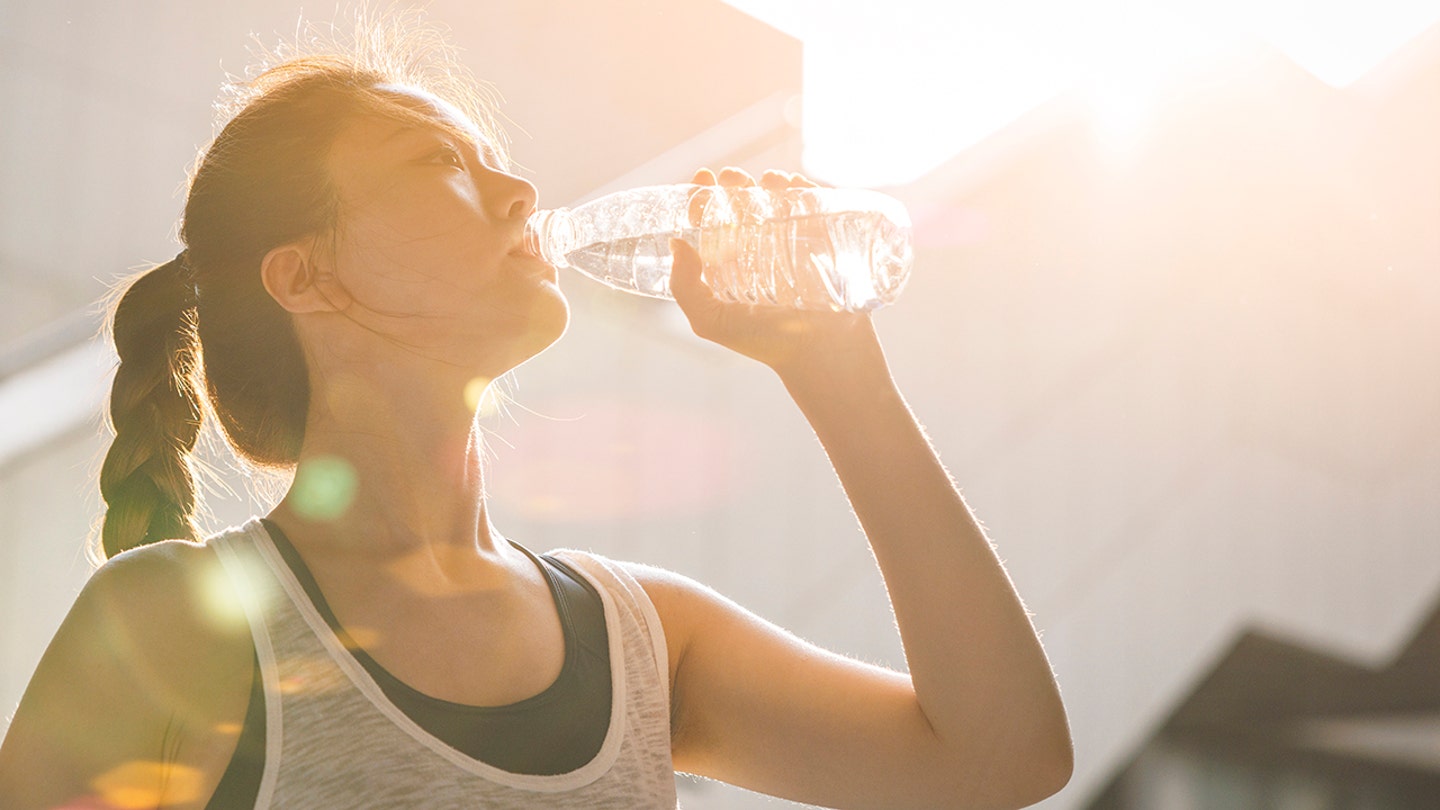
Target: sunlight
x=893 y=91
x=1336 y=40
x=1122 y=75
x=873 y=125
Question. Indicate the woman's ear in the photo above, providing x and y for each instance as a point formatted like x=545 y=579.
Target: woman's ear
x=292 y=276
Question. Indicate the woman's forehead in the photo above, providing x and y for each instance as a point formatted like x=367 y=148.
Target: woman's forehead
x=433 y=106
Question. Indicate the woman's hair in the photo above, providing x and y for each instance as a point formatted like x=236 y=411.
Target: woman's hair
x=200 y=332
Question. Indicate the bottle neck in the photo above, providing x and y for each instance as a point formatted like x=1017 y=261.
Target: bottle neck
x=550 y=234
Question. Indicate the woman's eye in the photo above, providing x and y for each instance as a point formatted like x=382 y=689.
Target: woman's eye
x=449 y=157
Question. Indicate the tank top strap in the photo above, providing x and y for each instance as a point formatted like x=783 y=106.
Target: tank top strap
x=629 y=593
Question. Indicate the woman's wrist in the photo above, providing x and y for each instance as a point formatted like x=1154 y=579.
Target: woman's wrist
x=843 y=360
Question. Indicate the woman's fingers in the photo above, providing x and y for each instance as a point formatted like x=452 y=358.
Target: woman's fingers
x=771 y=180
x=731 y=176
x=775 y=180
x=694 y=296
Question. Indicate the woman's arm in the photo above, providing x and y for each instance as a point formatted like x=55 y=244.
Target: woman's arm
x=139 y=698
x=977 y=723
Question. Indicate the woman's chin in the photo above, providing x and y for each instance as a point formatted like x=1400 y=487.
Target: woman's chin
x=555 y=320
x=557 y=330
x=545 y=324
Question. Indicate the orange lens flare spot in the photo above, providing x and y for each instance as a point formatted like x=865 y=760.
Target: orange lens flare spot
x=361 y=637
x=141 y=784
x=310 y=675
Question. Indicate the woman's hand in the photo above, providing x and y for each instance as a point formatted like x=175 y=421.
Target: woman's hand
x=789 y=340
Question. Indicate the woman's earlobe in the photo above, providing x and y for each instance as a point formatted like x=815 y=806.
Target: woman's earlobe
x=291 y=276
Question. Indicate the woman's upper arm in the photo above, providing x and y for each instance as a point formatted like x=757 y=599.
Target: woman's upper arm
x=757 y=707
x=136 y=688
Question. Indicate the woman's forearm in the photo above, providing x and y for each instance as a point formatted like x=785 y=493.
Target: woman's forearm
x=978 y=669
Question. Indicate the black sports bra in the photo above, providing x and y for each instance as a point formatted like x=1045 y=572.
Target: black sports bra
x=554 y=732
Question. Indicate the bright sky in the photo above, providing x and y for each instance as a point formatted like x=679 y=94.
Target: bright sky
x=893 y=90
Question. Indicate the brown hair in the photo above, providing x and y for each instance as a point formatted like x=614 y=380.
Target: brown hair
x=201 y=330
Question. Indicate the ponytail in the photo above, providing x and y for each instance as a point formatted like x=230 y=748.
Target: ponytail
x=155 y=412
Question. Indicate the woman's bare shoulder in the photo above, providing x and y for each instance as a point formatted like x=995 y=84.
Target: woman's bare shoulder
x=174 y=594
x=154 y=652
x=163 y=618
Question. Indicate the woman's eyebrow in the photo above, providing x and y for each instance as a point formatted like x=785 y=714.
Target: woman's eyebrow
x=489 y=154
x=409 y=129
x=481 y=144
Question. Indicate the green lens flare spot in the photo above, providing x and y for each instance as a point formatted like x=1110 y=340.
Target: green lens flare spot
x=324 y=488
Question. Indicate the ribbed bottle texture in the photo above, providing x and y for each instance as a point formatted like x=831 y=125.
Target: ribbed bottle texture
x=810 y=248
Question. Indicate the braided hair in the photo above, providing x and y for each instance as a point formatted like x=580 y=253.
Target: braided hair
x=201 y=329
x=155 y=411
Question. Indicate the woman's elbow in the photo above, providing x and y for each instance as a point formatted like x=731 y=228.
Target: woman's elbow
x=1049 y=778
x=1024 y=780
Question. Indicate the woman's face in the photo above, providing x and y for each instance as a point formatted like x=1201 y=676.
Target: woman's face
x=428 y=243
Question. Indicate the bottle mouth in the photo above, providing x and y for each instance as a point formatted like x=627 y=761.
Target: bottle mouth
x=530 y=236
x=549 y=234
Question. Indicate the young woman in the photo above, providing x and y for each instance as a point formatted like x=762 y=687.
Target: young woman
x=353 y=262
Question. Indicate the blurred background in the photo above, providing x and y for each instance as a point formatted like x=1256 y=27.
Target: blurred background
x=1174 y=325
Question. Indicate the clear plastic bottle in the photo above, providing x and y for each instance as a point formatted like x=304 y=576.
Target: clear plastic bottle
x=809 y=248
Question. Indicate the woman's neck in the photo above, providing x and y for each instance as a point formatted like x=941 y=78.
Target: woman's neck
x=393 y=471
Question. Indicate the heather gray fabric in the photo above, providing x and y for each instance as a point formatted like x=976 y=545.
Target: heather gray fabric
x=333 y=740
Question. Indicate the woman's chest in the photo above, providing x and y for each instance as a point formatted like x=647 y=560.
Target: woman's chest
x=483 y=650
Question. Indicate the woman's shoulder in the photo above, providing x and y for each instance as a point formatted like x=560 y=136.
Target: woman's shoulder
x=659 y=584
x=164 y=577
x=166 y=559
x=172 y=585
x=614 y=574
x=148 y=652
x=174 y=603
x=165 y=618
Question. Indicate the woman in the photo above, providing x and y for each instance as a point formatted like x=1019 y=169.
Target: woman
x=353 y=264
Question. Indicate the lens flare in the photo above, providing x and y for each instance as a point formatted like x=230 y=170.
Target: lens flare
x=223 y=601
x=360 y=637
x=480 y=397
x=324 y=488
x=142 y=784
x=316 y=675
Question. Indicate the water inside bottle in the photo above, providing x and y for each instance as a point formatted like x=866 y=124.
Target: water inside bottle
x=834 y=261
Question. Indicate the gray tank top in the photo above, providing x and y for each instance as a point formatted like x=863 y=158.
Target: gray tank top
x=333 y=739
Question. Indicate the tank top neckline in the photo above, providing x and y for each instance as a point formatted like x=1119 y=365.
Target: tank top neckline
x=354 y=670
x=296 y=563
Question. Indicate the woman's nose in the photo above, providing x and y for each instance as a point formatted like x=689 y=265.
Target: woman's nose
x=508 y=197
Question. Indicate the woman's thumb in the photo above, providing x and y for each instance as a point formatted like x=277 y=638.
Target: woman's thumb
x=690 y=290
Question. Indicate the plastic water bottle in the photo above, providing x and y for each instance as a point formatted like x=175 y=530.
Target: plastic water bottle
x=809 y=248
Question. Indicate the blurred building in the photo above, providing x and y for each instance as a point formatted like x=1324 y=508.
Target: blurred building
x=1189 y=385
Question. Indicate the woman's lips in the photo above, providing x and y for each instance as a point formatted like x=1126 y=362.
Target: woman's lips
x=548 y=270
